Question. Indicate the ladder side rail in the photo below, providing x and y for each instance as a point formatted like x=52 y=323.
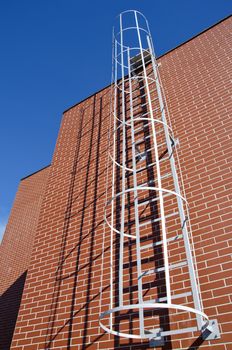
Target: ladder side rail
x=163 y=223
x=121 y=249
x=113 y=190
x=138 y=249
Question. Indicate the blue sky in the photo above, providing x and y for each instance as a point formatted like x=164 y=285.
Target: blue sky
x=55 y=53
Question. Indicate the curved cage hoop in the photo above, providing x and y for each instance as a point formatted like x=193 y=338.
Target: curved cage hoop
x=149 y=283
x=153 y=306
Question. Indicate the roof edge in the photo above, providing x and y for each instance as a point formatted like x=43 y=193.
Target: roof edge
x=35 y=172
x=196 y=35
x=158 y=57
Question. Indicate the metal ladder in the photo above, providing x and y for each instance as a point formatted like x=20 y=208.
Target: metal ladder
x=146 y=212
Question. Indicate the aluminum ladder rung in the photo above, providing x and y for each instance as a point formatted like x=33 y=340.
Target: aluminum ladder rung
x=144 y=104
x=145 y=151
x=146 y=167
x=173 y=297
x=153 y=181
x=153 y=100
x=154 y=199
x=156 y=220
x=147 y=62
x=146 y=221
x=160 y=333
x=141 y=78
x=145 y=114
x=143 y=139
x=150 y=149
x=151 y=245
x=145 y=95
x=143 y=87
x=147 y=137
x=136 y=77
x=141 y=128
x=141 y=116
x=160 y=269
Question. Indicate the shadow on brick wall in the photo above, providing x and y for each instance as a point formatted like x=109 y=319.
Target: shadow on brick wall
x=9 y=307
x=52 y=332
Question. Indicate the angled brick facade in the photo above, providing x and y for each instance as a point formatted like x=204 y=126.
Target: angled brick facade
x=15 y=250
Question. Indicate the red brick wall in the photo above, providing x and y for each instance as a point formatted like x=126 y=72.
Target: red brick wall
x=60 y=304
x=15 y=250
x=197 y=79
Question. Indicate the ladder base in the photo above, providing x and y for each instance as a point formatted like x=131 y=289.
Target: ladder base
x=212 y=331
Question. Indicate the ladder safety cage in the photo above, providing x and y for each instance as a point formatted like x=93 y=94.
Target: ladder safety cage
x=149 y=284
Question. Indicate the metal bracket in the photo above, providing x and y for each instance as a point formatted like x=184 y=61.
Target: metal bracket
x=177 y=142
x=212 y=331
x=156 y=342
x=155 y=337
